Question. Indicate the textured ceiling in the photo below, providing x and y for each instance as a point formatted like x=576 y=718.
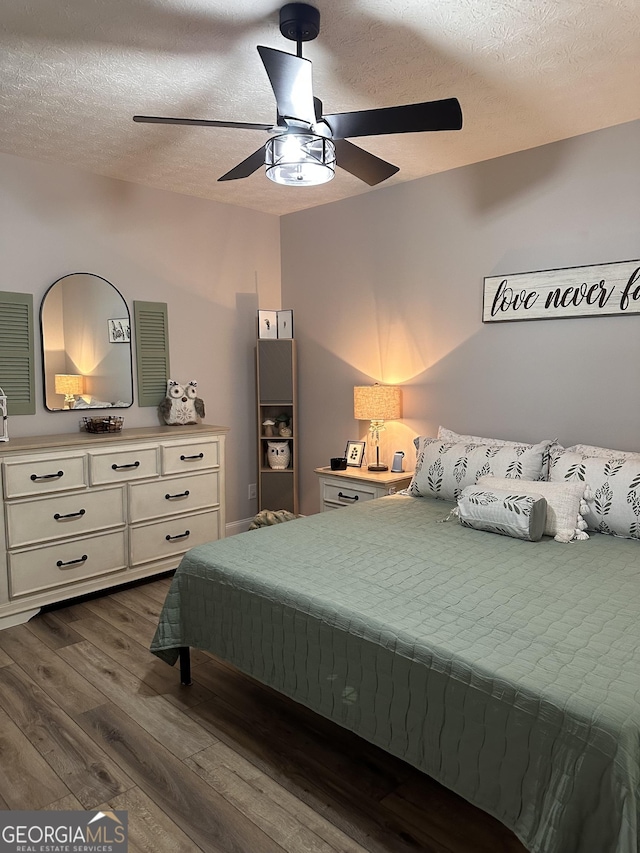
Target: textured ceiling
x=526 y=72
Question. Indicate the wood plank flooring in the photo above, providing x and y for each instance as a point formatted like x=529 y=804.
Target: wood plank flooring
x=89 y=718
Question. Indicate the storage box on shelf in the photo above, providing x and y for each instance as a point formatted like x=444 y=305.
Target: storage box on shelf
x=83 y=512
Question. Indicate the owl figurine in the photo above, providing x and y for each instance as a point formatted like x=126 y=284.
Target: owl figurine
x=182 y=404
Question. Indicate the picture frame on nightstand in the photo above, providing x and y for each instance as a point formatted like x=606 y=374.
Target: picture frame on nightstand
x=355 y=453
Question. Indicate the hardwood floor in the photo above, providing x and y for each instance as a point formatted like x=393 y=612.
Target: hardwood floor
x=89 y=718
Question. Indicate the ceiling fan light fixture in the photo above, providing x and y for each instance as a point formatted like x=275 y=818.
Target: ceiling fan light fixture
x=300 y=159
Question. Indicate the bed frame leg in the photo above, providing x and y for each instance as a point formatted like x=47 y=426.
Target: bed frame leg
x=185 y=666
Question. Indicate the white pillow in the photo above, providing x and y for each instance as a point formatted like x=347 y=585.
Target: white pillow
x=565 y=503
x=445 y=434
x=590 y=450
x=615 y=489
x=444 y=469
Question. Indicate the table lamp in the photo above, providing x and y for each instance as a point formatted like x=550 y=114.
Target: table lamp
x=376 y=403
x=69 y=384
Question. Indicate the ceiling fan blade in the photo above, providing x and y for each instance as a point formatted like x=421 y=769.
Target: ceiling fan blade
x=364 y=165
x=412 y=118
x=290 y=78
x=203 y=122
x=247 y=167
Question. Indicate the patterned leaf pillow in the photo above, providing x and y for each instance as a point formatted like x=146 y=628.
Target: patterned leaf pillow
x=565 y=503
x=504 y=511
x=444 y=469
x=449 y=435
x=614 y=482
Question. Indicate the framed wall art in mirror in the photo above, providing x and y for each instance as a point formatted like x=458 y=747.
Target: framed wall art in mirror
x=86 y=354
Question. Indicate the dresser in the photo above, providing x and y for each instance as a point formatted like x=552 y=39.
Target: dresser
x=355 y=485
x=83 y=512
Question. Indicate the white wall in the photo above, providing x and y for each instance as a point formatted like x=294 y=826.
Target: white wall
x=212 y=263
x=394 y=294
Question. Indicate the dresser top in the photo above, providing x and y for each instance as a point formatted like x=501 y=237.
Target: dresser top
x=91 y=440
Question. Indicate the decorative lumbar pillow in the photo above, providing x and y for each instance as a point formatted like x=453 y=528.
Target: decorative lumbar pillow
x=615 y=486
x=565 y=504
x=449 y=435
x=444 y=469
x=590 y=450
x=505 y=511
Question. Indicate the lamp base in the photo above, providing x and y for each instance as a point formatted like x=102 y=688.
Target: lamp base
x=378 y=467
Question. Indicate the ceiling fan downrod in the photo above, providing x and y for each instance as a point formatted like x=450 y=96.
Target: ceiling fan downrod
x=299 y=22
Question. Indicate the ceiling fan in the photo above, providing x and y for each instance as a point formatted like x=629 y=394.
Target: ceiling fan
x=308 y=144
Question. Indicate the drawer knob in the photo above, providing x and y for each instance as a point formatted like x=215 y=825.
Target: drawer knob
x=348 y=497
x=135 y=464
x=62 y=565
x=197 y=456
x=35 y=477
x=178 y=536
x=184 y=494
x=78 y=514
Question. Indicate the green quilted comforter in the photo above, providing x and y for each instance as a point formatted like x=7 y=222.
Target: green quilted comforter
x=507 y=670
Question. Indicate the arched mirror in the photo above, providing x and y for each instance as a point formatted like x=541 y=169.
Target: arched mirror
x=86 y=345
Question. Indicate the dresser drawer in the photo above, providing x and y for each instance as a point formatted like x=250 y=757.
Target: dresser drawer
x=61 y=516
x=190 y=456
x=62 y=563
x=119 y=466
x=40 y=476
x=346 y=494
x=173 y=536
x=173 y=495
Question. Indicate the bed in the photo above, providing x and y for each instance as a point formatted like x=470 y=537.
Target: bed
x=507 y=670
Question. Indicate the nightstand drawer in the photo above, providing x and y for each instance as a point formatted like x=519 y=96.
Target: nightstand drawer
x=347 y=494
x=171 y=496
x=62 y=516
x=61 y=563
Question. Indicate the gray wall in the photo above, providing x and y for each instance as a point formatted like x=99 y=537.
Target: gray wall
x=213 y=264
x=388 y=287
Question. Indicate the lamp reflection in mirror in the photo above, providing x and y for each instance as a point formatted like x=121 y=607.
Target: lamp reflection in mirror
x=376 y=403
x=71 y=385
x=300 y=159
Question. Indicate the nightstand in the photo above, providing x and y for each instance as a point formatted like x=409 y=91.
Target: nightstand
x=355 y=485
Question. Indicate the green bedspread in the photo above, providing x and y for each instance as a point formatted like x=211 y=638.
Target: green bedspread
x=507 y=670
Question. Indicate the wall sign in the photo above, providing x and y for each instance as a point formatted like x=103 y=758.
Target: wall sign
x=590 y=291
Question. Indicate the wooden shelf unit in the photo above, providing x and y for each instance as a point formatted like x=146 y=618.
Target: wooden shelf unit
x=276 y=394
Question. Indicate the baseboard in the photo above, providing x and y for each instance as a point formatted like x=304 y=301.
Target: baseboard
x=237 y=526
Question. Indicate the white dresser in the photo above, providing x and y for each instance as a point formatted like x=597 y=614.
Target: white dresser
x=83 y=512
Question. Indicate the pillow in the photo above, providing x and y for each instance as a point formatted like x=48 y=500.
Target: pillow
x=565 y=503
x=615 y=487
x=443 y=469
x=449 y=435
x=589 y=450
x=445 y=434
x=504 y=511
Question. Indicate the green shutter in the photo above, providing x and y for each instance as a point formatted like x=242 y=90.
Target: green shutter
x=152 y=351
x=17 y=370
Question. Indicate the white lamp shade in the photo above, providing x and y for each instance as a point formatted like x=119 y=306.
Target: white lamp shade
x=376 y=402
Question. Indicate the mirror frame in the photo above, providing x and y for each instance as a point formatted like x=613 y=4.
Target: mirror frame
x=44 y=375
